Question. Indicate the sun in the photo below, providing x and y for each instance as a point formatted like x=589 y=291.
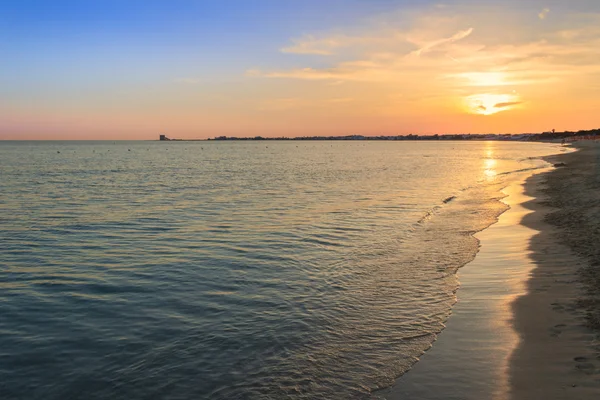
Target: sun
x=488 y=103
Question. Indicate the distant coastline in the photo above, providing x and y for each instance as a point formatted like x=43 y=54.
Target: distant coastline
x=523 y=137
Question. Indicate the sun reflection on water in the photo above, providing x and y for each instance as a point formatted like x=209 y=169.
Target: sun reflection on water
x=489 y=163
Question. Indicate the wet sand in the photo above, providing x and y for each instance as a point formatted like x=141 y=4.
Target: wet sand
x=522 y=328
x=558 y=356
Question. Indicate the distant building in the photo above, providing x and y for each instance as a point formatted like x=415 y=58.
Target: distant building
x=163 y=137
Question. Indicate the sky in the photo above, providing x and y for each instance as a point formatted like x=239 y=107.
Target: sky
x=199 y=69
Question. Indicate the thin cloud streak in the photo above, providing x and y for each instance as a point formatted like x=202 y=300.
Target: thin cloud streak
x=430 y=46
x=310 y=45
x=507 y=104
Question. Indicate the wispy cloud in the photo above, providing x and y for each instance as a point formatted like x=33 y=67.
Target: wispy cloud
x=380 y=37
x=430 y=46
x=507 y=104
x=544 y=13
x=309 y=44
x=395 y=54
x=396 y=49
x=306 y=73
x=446 y=55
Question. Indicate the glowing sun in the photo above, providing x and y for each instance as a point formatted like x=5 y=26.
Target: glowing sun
x=488 y=104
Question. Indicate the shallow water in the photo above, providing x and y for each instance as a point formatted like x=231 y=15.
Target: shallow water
x=470 y=359
x=234 y=269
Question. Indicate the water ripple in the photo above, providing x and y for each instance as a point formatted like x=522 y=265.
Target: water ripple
x=300 y=271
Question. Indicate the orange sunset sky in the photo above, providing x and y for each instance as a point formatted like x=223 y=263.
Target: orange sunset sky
x=193 y=69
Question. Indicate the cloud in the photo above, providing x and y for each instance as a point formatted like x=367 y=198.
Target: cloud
x=374 y=66
x=507 y=104
x=311 y=45
x=329 y=45
x=502 y=77
x=430 y=46
x=357 y=70
x=544 y=13
x=308 y=74
x=390 y=54
x=336 y=43
x=450 y=56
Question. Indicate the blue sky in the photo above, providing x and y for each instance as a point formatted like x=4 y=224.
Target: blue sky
x=181 y=66
x=79 y=40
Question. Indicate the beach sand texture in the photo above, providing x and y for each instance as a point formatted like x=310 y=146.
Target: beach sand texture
x=556 y=357
x=559 y=355
x=574 y=193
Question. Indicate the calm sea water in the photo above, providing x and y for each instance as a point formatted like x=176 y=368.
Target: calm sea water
x=234 y=270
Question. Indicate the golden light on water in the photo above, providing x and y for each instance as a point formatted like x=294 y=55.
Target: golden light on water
x=489 y=103
x=489 y=163
x=490 y=168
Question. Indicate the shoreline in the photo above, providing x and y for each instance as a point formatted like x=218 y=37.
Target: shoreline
x=519 y=329
x=558 y=355
x=469 y=359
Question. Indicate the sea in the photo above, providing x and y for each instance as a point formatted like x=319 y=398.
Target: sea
x=236 y=269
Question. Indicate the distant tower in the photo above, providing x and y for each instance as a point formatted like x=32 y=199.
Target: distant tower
x=163 y=137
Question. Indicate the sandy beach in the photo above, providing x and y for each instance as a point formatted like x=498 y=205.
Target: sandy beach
x=557 y=321
x=524 y=325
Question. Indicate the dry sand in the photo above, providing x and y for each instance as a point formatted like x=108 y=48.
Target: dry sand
x=558 y=354
x=574 y=192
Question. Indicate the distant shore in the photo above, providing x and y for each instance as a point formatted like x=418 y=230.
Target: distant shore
x=550 y=136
